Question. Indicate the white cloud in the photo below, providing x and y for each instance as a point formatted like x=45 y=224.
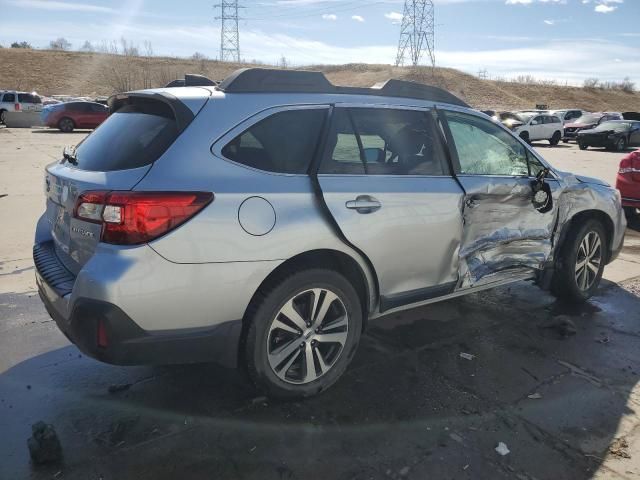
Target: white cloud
x=550 y=22
x=395 y=17
x=529 y=2
x=357 y=18
x=61 y=6
x=329 y=16
x=602 y=8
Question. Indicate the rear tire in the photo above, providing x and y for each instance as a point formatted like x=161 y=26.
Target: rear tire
x=279 y=348
x=2 y=112
x=66 y=125
x=583 y=146
x=555 y=140
x=621 y=145
x=580 y=262
x=631 y=213
x=525 y=136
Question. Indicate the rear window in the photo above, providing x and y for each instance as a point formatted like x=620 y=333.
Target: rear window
x=134 y=136
x=9 y=97
x=28 y=98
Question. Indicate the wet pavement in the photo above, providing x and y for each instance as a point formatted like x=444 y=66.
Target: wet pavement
x=409 y=406
x=556 y=385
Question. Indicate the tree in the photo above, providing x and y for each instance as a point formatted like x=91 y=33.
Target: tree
x=87 y=47
x=60 y=44
x=591 y=82
x=199 y=56
x=21 y=45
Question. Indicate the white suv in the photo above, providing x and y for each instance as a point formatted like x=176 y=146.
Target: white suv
x=541 y=126
x=12 y=101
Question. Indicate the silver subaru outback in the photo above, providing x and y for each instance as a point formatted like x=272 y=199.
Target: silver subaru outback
x=263 y=222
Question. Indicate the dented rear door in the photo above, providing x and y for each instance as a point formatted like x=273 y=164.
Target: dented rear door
x=503 y=233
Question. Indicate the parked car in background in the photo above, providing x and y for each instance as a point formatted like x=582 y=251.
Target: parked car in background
x=71 y=115
x=612 y=135
x=567 y=115
x=586 y=122
x=628 y=182
x=13 y=101
x=539 y=127
x=263 y=222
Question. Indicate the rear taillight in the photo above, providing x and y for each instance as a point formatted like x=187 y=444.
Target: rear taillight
x=130 y=218
x=630 y=165
x=17 y=107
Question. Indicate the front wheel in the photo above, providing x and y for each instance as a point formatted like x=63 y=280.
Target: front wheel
x=582 y=146
x=555 y=140
x=581 y=262
x=525 y=136
x=66 y=125
x=621 y=145
x=2 y=112
x=303 y=332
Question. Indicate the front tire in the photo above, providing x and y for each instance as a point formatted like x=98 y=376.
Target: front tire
x=2 y=120
x=621 y=145
x=303 y=332
x=581 y=262
x=66 y=125
x=555 y=140
x=525 y=136
x=583 y=146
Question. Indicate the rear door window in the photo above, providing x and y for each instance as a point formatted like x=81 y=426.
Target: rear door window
x=284 y=142
x=383 y=141
x=9 y=97
x=134 y=136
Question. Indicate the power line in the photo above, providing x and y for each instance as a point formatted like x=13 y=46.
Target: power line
x=327 y=9
x=229 y=33
x=417 y=34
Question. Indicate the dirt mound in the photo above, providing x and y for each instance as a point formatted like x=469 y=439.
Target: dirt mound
x=78 y=73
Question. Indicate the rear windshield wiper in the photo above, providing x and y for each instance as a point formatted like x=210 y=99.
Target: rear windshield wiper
x=69 y=155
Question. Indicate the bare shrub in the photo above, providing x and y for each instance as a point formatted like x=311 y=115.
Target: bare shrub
x=591 y=83
x=60 y=43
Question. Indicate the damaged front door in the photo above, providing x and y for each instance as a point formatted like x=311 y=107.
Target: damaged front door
x=507 y=231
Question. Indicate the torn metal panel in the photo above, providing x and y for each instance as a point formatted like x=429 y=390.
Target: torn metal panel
x=502 y=229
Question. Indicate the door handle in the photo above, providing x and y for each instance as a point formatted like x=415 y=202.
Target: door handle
x=364 y=204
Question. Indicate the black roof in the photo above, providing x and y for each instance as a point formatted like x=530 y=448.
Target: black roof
x=264 y=80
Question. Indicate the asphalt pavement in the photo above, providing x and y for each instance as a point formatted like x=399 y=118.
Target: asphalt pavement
x=556 y=384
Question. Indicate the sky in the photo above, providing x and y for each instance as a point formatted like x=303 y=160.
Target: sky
x=562 y=40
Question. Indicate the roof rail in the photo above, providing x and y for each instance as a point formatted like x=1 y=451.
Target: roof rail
x=264 y=80
x=192 y=80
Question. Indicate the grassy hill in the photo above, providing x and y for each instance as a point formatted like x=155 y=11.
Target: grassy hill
x=77 y=73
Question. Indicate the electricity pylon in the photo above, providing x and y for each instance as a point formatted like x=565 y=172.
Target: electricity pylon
x=417 y=33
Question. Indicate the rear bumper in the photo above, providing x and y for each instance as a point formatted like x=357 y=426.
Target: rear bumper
x=629 y=190
x=595 y=141
x=128 y=343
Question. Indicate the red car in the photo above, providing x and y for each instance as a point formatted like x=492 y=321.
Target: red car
x=71 y=115
x=628 y=182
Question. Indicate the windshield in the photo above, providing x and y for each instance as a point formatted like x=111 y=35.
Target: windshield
x=508 y=116
x=524 y=117
x=588 y=119
x=617 y=126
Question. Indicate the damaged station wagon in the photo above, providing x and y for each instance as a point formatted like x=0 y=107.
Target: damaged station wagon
x=262 y=222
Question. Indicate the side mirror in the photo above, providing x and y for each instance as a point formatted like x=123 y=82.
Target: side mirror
x=541 y=199
x=373 y=155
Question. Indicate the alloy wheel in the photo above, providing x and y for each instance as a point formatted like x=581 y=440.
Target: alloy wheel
x=588 y=260
x=621 y=145
x=307 y=336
